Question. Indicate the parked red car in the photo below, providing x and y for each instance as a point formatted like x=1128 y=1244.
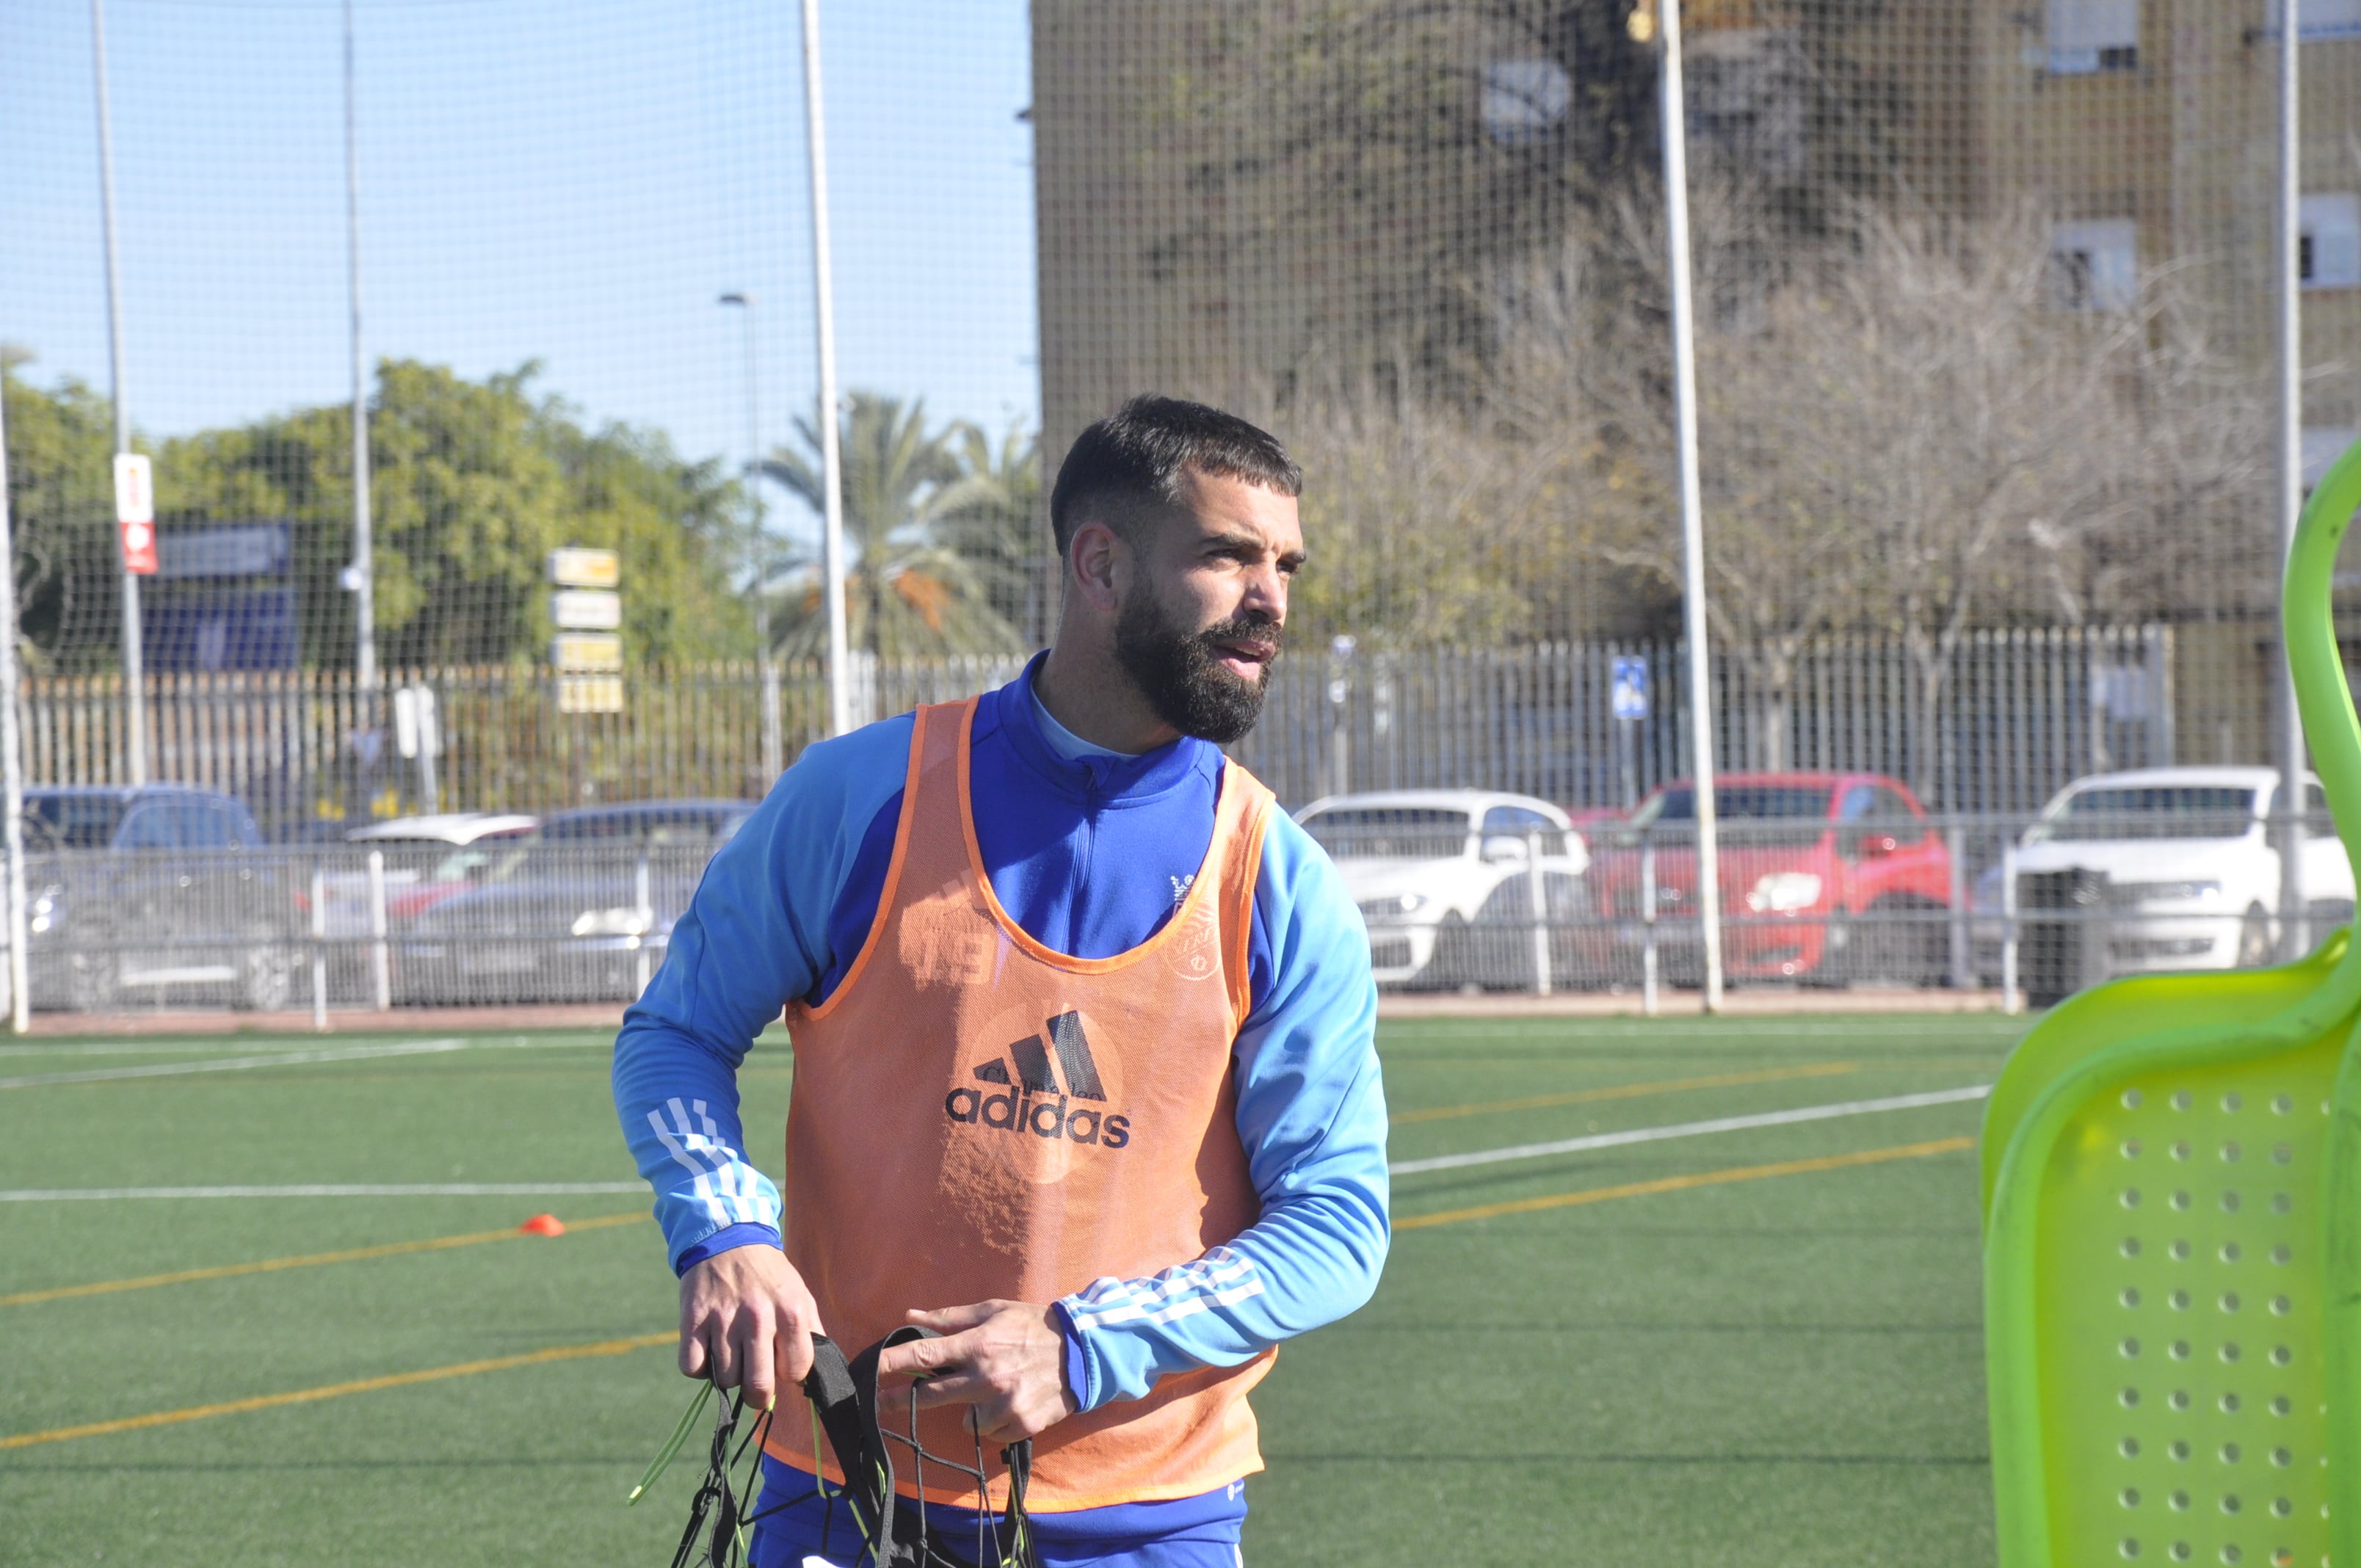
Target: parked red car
x=1834 y=878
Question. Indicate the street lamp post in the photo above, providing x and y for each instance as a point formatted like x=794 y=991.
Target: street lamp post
x=774 y=760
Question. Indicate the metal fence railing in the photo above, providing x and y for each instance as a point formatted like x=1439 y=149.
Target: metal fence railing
x=350 y=926
x=2013 y=717
x=1990 y=903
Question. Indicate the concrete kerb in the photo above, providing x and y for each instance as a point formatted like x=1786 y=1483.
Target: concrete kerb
x=400 y=1021
x=1768 y=1003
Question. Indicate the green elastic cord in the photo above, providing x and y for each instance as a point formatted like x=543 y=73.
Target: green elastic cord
x=819 y=1474
x=672 y=1444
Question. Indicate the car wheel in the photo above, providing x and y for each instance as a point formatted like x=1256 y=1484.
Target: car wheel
x=1452 y=959
x=1896 y=945
x=2255 y=945
x=93 y=981
x=266 y=980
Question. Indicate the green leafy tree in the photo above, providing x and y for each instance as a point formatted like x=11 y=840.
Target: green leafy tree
x=909 y=591
x=472 y=485
x=60 y=504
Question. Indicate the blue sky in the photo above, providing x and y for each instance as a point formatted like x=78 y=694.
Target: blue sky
x=566 y=180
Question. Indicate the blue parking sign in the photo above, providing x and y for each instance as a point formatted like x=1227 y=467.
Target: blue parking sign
x=1629 y=689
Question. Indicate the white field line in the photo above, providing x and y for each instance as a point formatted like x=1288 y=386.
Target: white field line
x=385 y=1190
x=233 y=1064
x=1692 y=1129
x=1399 y=1168
x=64 y=1047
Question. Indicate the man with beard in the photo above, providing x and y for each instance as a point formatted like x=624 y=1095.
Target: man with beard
x=1083 y=1031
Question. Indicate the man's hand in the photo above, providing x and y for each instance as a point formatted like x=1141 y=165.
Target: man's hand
x=1005 y=1359
x=746 y=1321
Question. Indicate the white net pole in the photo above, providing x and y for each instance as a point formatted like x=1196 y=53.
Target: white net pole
x=135 y=704
x=1693 y=603
x=839 y=688
x=363 y=551
x=12 y=762
x=2295 y=936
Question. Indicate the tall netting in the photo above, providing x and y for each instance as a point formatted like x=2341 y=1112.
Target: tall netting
x=585 y=250
x=1986 y=299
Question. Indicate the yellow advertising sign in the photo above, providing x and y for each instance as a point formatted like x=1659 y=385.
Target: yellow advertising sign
x=578 y=651
x=576 y=567
x=589 y=694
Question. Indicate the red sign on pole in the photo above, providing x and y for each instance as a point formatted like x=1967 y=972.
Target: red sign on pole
x=140 y=549
x=135 y=512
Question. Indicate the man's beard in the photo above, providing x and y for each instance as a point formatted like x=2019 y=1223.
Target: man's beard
x=1179 y=672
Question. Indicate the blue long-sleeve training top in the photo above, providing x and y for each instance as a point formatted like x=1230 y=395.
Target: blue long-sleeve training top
x=1089 y=851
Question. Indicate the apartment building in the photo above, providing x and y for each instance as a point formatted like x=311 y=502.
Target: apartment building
x=1232 y=190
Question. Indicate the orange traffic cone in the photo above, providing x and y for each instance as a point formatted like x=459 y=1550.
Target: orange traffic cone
x=544 y=1225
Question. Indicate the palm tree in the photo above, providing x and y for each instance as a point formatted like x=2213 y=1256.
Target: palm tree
x=996 y=528
x=908 y=592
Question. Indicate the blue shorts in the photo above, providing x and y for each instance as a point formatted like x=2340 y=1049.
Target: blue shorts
x=1187 y=1532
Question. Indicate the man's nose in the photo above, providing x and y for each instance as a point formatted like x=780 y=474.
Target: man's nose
x=1266 y=592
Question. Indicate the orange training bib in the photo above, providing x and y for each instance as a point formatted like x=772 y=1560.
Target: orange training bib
x=976 y=1116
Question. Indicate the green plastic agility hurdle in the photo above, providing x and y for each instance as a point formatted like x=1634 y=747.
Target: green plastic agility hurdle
x=2172 y=1172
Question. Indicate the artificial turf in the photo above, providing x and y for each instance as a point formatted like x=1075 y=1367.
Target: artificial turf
x=1783 y=1369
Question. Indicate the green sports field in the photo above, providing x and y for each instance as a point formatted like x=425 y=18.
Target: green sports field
x=1751 y=1346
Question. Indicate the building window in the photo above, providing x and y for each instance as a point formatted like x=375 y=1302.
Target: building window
x=2328 y=248
x=2322 y=445
x=1525 y=101
x=2095 y=264
x=2321 y=19
x=2090 y=36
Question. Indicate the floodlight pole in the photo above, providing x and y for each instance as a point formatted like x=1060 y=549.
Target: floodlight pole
x=12 y=757
x=839 y=689
x=364 y=570
x=135 y=688
x=2294 y=910
x=1674 y=114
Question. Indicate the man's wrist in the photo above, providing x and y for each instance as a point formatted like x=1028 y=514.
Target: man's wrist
x=1074 y=1360
x=745 y=1233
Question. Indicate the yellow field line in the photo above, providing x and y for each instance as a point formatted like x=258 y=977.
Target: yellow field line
x=308 y=1260
x=1684 y=1183
x=1628 y=1091
x=338 y=1390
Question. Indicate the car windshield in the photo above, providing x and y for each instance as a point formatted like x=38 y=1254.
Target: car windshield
x=1740 y=802
x=489 y=859
x=1389 y=832
x=2147 y=811
x=689 y=826
x=513 y=861
x=1787 y=815
x=72 y=821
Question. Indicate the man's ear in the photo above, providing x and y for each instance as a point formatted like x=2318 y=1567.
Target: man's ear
x=1098 y=560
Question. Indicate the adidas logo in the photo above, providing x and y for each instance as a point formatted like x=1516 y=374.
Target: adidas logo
x=1024 y=1104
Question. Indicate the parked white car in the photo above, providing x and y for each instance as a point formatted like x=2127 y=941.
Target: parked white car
x=427 y=858
x=2191 y=876
x=1422 y=861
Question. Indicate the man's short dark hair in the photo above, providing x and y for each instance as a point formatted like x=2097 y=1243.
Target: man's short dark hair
x=1128 y=466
